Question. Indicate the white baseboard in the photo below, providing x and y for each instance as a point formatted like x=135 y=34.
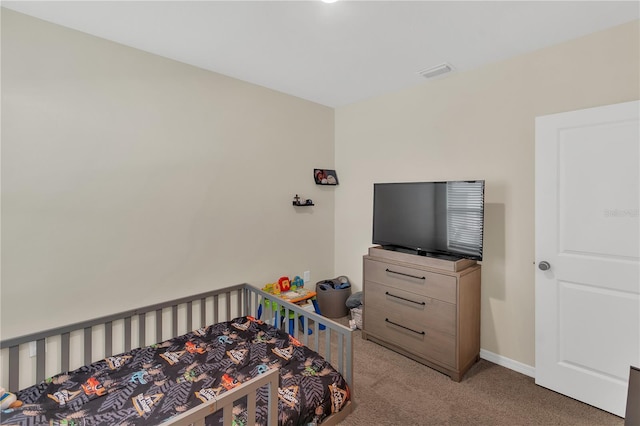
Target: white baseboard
x=502 y=361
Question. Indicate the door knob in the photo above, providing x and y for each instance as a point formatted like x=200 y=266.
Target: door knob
x=544 y=265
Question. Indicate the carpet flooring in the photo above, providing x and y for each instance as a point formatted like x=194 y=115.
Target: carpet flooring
x=390 y=389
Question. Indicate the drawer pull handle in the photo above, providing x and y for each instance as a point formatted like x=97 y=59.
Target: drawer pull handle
x=406 y=328
x=406 y=275
x=408 y=300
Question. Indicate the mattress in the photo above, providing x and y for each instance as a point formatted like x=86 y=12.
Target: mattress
x=152 y=384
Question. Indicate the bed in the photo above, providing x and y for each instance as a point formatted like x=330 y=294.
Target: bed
x=212 y=361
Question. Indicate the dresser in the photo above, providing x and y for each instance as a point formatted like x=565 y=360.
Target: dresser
x=425 y=308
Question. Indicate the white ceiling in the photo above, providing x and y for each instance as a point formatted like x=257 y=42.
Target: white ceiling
x=334 y=54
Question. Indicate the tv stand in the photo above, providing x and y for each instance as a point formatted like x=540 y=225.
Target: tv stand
x=426 y=308
x=432 y=260
x=424 y=253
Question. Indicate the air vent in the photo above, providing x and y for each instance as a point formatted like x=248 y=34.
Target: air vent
x=436 y=71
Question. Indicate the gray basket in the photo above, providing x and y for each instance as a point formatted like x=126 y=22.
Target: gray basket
x=332 y=301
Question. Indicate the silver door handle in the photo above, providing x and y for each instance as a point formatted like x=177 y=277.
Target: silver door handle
x=544 y=265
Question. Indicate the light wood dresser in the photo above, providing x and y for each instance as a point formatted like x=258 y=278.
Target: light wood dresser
x=425 y=308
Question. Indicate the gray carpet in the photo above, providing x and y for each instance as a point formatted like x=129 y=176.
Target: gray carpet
x=390 y=389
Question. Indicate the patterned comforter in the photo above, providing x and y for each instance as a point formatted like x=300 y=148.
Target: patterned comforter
x=149 y=385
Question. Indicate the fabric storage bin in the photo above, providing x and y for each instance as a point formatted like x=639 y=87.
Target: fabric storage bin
x=331 y=301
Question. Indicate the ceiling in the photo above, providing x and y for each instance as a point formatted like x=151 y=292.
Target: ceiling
x=339 y=53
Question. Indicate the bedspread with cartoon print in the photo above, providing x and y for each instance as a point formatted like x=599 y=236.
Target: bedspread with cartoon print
x=149 y=385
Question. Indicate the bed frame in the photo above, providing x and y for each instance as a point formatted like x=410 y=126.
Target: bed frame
x=129 y=330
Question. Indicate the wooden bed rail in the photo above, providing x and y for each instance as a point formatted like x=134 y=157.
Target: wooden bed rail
x=337 y=340
x=139 y=314
x=210 y=307
x=330 y=339
x=196 y=415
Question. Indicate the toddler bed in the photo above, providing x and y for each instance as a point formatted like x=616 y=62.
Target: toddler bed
x=239 y=370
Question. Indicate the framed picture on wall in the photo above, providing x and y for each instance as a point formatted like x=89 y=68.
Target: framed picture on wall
x=325 y=177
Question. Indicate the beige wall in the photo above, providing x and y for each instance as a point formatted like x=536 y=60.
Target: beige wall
x=130 y=179
x=479 y=125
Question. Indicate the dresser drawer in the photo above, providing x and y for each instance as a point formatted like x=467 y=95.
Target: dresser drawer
x=415 y=338
x=430 y=284
x=410 y=308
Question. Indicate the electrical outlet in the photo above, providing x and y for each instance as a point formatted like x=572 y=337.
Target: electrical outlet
x=307 y=276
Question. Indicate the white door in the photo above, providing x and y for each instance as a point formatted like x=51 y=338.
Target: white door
x=587 y=228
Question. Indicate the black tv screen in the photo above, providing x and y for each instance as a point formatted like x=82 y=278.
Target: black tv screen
x=440 y=219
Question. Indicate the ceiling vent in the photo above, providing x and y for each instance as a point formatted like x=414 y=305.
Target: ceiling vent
x=436 y=71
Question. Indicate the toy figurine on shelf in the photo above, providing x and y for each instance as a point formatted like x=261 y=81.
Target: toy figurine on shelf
x=284 y=284
x=299 y=201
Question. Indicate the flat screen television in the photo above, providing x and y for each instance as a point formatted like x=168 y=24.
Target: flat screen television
x=439 y=219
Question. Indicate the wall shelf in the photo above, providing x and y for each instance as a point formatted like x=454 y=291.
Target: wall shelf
x=297 y=203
